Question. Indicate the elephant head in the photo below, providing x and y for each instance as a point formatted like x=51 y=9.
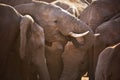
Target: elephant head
x=56 y=21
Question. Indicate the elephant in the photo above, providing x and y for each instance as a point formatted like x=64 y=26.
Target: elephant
x=60 y=27
x=75 y=61
x=22 y=46
x=108 y=66
x=109 y=35
x=99 y=12
x=73 y=6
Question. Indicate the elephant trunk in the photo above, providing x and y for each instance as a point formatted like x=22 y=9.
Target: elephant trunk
x=36 y=47
x=72 y=65
x=70 y=72
x=42 y=68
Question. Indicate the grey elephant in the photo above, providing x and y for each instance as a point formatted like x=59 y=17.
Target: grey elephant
x=59 y=26
x=22 y=46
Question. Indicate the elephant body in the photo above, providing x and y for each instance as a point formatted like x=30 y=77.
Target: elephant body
x=8 y=35
x=21 y=46
x=59 y=26
x=108 y=64
x=109 y=35
x=99 y=12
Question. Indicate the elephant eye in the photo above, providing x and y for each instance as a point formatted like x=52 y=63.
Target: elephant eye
x=55 y=21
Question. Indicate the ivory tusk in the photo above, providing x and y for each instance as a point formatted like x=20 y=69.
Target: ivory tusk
x=97 y=34
x=72 y=34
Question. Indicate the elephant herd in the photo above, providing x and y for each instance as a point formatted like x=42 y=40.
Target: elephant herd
x=59 y=40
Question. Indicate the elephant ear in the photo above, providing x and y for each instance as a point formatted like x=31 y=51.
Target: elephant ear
x=24 y=25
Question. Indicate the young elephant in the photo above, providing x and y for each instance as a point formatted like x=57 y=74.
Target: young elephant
x=58 y=26
x=21 y=45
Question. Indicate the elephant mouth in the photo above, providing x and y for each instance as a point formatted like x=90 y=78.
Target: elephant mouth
x=76 y=42
x=48 y=43
x=77 y=39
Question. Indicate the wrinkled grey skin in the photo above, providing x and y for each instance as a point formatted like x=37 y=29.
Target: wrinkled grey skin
x=99 y=12
x=57 y=24
x=22 y=46
x=108 y=66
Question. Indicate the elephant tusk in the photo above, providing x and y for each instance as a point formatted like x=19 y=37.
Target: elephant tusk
x=72 y=34
x=97 y=34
